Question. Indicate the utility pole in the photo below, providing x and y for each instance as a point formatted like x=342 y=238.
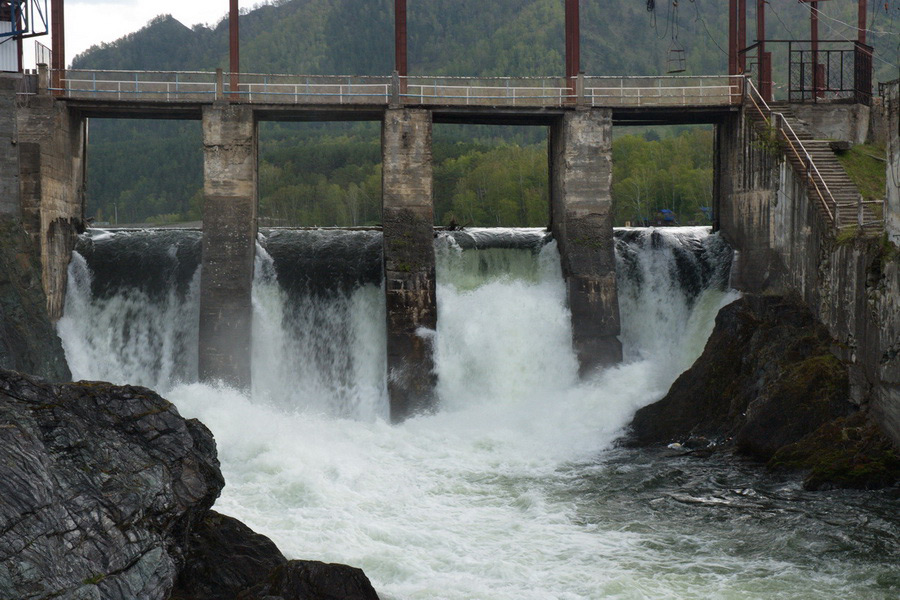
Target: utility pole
x=234 y=49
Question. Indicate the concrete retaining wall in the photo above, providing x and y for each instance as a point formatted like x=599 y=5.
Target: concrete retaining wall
x=892 y=133
x=846 y=122
x=51 y=155
x=785 y=246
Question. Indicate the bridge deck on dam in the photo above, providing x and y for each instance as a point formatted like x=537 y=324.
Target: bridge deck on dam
x=181 y=94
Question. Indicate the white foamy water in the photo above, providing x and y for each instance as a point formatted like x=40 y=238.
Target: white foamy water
x=505 y=492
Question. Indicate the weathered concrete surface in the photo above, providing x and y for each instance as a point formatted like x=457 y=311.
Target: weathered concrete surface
x=229 y=243
x=835 y=121
x=28 y=341
x=51 y=155
x=582 y=225
x=892 y=133
x=409 y=268
x=787 y=246
x=9 y=148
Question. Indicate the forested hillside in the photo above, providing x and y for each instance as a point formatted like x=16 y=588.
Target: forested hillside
x=329 y=174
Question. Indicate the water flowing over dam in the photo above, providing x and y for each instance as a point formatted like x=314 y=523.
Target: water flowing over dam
x=511 y=489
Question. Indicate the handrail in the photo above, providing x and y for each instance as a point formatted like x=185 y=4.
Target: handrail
x=810 y=165
x=193 y=86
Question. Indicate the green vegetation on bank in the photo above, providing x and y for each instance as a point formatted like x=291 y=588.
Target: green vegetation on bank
x=866 y=166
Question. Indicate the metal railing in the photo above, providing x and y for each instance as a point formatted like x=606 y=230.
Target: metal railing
x=777 y=123
x=538 y=92
x=668 y=90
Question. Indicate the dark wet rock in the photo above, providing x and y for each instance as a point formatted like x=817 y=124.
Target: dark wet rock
x=99 y=487
x=849 y=452
x=311 y=580
x=28 y=341
x=765 y=379
x=767 y=382
x=105 y=494
x=224 y=558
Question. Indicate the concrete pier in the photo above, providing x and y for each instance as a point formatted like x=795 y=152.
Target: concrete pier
x=582 y=224
x=408 y=221
x=229 y=243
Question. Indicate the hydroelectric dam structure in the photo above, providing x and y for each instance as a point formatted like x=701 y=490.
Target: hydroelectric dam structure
x=777 y=198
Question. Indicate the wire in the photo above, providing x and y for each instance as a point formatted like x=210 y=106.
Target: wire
x=846 y=39
x=703 y=22
x=853 y=27
x=780 y=20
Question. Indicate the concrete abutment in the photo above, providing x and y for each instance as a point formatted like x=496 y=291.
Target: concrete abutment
x=582 y=225
x=229 y=243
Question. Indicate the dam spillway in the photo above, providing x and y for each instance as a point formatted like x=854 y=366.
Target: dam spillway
x=511 y=489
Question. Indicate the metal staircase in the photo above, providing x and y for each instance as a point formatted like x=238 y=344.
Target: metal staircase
x=828 y=186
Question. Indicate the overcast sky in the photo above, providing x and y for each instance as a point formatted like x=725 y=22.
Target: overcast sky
x=90 y=22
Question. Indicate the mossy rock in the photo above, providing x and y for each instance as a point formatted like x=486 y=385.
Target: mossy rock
x=849 y=452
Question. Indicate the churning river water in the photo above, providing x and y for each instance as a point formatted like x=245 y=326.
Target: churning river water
x=513 y=489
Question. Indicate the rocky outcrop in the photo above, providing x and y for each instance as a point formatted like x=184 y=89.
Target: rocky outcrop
x=228 y=560
x=768 y=381
x=99 y=486
x=105 y=493
x=28 y=341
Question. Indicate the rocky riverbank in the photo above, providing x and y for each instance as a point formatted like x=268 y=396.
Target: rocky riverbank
x=769 y=386
x=105 y=492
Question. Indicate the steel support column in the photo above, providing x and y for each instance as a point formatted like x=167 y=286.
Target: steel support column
x=234 y=49
x=742 y=35
x=732 y=37
x=861 y=25
x=400 y=59
x=573 y=44
x=58 y=34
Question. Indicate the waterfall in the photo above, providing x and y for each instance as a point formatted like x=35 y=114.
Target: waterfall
x=480 y=499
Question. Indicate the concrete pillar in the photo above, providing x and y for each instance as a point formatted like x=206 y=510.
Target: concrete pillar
x=408 y=221
x=582 y=224
x=52 y=141
x=229 y=243
x=9 y=147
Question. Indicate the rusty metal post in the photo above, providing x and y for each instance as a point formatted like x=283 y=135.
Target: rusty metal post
x=573 y=45
x=401 y=66
x=814 y=46
x=58 y=33
x=863 y=9
x=732 y=37
x=742 y=35
x=765 y=59
x=19 y=52
x=234 y=44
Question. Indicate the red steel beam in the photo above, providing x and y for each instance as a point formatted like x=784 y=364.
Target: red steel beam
x=742 y=35
x=732 y=37
x=573 y=43
x=863 y=8
x=400 y=57
x=58 y=35
x=814 y=43
x=234 y=48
